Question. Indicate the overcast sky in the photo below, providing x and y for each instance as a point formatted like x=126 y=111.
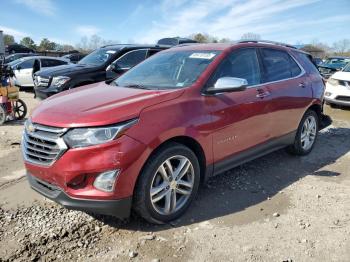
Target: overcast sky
x=66 y=21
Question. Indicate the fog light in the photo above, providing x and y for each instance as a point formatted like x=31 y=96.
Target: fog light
x=328 y=94
x=106 y=180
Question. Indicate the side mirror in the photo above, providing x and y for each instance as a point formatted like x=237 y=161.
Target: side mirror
x=228 y=84
x=18 y=67
x=116 y=69
x=111 y=67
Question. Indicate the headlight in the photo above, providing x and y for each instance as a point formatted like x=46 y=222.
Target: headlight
x=333 y=81
x=82 y=137
x=58 y=81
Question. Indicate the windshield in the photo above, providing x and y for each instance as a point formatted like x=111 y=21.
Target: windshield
x=347 y=68
x=10 y=58
x=15 y=62
x=168 y=70
x=98 y=57
x=336 y=60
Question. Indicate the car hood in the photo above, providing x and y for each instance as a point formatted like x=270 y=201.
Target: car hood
x=332 y=66
x=66 y=70
x=97 y=105
x=342 y=76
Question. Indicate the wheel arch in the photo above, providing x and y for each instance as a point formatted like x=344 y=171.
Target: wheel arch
x=318 y=109
x=192 y=144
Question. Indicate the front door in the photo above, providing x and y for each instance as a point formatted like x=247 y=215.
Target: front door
x=241 y=118
x=23 y=73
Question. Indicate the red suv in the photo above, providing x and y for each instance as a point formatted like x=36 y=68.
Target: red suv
x=147 y=140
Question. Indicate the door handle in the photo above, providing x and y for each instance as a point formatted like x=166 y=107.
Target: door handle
x=262 y=94
x=302 y=85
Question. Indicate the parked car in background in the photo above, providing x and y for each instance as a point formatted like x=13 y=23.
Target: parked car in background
x=105 y=63
x=172 y=41
x=317 y=61
x=146 y=140
x=338 y=88
x=23 y=68
x=13 y=57
x=74 y=57
x=332 y=65
x=17 y=48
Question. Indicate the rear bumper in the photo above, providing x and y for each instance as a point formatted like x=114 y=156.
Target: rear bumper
x=119 y=208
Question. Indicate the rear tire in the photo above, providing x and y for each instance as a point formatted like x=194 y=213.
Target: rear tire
x=167 y=184
x=306 y=135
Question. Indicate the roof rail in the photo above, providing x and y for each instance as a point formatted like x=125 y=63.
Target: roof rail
x=266 y=42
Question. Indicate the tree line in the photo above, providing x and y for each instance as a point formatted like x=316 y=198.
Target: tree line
x=87 y=44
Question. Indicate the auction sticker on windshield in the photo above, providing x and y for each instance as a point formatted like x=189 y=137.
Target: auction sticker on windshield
x=203 y=55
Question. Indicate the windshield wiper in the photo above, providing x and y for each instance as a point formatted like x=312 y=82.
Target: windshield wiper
x=137 y=86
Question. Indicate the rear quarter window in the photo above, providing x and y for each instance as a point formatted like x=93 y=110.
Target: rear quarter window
x=306 y=61
x=278 y=65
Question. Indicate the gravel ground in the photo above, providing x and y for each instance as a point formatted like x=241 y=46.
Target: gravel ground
x=276 y=208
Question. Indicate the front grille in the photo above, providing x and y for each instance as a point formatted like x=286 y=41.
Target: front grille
x=42 y=145
x=344 y=83
x=343 y=98
x=40 y=81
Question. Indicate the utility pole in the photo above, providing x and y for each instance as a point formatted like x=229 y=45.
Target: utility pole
x=2 y=45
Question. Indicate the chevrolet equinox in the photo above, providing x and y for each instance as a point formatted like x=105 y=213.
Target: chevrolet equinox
x=147 y=140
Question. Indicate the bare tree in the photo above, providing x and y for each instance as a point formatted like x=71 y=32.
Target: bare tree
x=250 y=36
x=342 y=46
x=89 y=44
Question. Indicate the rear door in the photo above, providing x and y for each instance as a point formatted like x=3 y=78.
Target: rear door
x=241 y=118
x=289 y=87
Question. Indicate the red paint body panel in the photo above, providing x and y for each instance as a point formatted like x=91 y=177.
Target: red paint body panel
x=223 y=125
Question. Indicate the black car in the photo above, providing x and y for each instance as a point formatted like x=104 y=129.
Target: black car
x=172 y=41
x=17 y=48
x=105 y=63
x=74 y=57
x=13 y=57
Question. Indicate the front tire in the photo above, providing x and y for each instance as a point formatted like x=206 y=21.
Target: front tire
x=167 y=184
x=306 y=135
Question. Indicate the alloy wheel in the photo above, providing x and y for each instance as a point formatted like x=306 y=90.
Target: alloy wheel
x=308 y=132
x=172 y=185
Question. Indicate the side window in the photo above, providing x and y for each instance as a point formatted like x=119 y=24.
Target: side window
x=51 y=62
x=152 y=52
x=242 y=64
x=131 y=58
x=278 y=65
x=27 y=64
